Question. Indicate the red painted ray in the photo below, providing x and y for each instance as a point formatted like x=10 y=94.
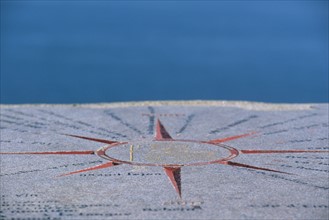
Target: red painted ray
x=161 y=132
x=93 y=139
x=174 y=176
x=230 y=163
x=281 y=151
x=217 y=141
x=52 y=152
x=101 y=166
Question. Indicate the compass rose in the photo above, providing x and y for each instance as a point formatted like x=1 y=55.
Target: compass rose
x=169 y=153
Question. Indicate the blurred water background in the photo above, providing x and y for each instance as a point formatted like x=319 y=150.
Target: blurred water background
x=106 y=51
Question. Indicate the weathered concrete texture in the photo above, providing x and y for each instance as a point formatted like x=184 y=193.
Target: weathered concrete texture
x=227 y=160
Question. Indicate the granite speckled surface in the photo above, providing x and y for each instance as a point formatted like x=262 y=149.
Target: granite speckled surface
x=236 y=160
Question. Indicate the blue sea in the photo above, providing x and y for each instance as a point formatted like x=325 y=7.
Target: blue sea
x=108 y=51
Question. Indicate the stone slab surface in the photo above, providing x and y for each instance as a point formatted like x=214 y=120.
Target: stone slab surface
x=165 y=160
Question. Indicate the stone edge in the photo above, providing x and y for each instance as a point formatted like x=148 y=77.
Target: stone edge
x=256 y=106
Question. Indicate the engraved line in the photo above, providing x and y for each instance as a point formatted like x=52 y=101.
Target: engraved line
x=49 y=123
x=233 y=124
x=115 y=117
x=289 y=120
x=187 y=123
x=151 y=120
x=51 y=168
x=11 y=117
x=81 y=123
x=275 y=132
x=230 y=163
x=291 y=180
x=39 y=125
x=20 y=113
x=304 y=168
x=36 y=125
x=312 y=158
